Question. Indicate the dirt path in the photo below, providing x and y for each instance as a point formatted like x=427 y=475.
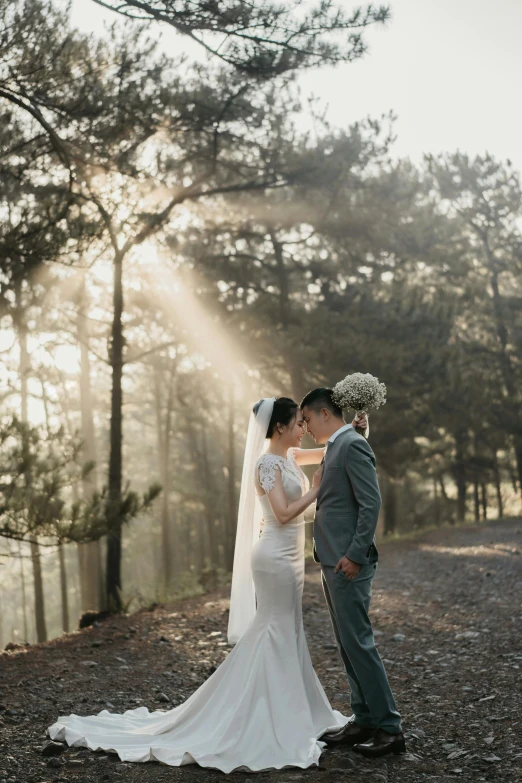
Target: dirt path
x=447 y=611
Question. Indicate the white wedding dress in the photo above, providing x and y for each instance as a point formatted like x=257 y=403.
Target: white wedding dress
x=264 y=707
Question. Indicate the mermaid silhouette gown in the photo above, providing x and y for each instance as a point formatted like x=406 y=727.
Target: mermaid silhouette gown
x=264 y=707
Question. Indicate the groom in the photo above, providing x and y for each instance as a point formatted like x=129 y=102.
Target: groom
x=346 y=516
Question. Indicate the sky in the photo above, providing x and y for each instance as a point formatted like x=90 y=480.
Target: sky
x=449 y=69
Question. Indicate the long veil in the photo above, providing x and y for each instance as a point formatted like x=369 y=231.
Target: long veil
x=242 y=596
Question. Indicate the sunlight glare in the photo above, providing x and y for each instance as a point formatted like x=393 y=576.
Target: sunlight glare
x=203 y=331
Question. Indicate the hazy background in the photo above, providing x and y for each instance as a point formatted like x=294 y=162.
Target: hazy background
x=180 y=238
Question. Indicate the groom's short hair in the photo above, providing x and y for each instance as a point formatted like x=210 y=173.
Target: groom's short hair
x=317 y=399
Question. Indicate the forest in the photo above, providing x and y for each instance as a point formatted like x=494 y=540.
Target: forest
x=180 y=236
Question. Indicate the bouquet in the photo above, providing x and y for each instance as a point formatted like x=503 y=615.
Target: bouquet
x=360 y=391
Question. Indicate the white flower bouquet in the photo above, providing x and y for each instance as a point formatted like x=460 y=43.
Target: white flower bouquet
x=360 y=391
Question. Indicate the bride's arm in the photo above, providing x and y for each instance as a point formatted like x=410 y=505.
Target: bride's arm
x=308 y=456
x=283 y=510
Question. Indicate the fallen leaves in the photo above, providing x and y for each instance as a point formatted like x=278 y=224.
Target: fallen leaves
x=449 y=638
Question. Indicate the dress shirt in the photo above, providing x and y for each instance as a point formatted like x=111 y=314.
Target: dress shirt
x=333 y=437
x=338 y=432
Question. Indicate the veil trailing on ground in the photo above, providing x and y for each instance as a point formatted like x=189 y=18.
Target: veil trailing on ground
x=242 y=596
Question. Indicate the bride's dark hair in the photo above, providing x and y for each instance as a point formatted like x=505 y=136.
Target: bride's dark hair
x=284 y=411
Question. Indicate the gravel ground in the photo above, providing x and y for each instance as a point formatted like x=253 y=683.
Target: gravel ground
x=447 y=614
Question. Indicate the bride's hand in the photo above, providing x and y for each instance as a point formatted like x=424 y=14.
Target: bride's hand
x=316 y=481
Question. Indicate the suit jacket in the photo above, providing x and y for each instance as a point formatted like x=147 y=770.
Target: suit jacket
x=348 y=503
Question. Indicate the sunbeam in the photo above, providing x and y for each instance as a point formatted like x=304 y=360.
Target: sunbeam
x=175 y=292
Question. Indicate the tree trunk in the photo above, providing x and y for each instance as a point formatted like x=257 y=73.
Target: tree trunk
x=188 y=549
x=163 y=426
x=231 y=484
x=444 y=494
x=24 y=603
x=202 y=550
x=39 y=603
x=506 y=366
x=113 y=569
x=476 y=498
x=21 y=328
x=194 y=530
x=89 y=555
x=498 y=487
x=87 y=567
x=297 y=380
x=63 y=590
x=460 y=475
x=442 y=486
x=390 y=507
x=208 y=486
x=61 y=558
x=518 y=454
x=484 y=499
x=284 y=311
x=295 y=366
x=436 y=502
x=511 y=466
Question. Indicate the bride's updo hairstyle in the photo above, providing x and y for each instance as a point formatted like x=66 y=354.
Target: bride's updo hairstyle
x=284 y=411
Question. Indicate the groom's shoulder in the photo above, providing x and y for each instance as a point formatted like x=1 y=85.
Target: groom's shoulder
x=346 y=438
x=354 y=439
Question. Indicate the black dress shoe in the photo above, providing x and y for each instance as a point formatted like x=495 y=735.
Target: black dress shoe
x=350 y=734
x=381 y=744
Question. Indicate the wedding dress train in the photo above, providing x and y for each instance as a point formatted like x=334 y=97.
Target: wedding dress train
x=264 y=707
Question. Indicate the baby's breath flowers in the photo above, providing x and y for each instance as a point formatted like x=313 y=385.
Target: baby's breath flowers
x=360 y=391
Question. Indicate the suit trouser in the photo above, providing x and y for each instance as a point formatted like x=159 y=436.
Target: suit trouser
x=348 y=600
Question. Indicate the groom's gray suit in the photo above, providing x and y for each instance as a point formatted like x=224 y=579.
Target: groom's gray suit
x=346 y=516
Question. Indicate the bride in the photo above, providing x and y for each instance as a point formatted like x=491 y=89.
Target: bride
x=264 y=707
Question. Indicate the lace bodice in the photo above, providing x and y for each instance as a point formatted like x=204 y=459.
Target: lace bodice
x=268 y=464
x=295 y=483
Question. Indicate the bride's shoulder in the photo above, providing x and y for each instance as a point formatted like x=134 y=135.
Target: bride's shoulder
x=266 y=467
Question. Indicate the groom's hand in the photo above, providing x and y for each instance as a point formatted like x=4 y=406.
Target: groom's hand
x=360 y=423
x=349 y=568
